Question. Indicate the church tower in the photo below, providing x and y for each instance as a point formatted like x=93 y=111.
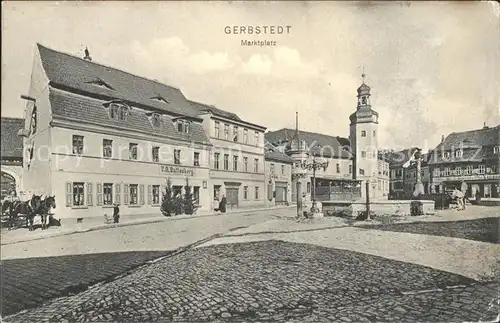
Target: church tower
x=363 y=135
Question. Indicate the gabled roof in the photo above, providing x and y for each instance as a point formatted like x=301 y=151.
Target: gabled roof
x=398 y=158
x=213 y=110
x=320 y=144
x=68 y=106
x=477 y=138
x=472 y=144
x=80 y=75
x=273 y=154
x=12 y=144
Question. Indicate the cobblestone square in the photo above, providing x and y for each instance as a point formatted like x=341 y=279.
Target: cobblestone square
x=277 y=281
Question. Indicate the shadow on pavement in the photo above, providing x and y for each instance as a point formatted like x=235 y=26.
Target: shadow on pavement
x=30 y=282
x=485 y=229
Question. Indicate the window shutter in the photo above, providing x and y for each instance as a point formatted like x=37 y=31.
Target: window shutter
x=117 y=193
x=141 y=194
x=150 y=194
x=69 y=194
x=125 y=193
x=90 y=193
x=99 y=194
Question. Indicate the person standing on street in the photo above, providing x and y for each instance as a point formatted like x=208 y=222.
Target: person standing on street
x=116 y=214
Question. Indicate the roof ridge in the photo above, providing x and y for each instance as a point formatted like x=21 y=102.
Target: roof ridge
x=310 y=132
x=12 y=119
x=111 y=67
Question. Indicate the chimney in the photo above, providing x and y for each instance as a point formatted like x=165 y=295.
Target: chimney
x=485 y=126
x=442 y=138
x=87 y=55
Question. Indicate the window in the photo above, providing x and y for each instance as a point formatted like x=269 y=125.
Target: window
x=361 y=171
x=446 y=171
x=374 y=133
x=155 y=154
x=481 y=169
x=256 y=192
x=308 y=187
x=226 y=131
x=176 y=191
x=217 y=129
x=468 y=170
x=363 y=100
x=446 y=154
x=216 y=192
x=183 y=126
x=133 y=194
x=363 y=154
x=245 y=164
x=78 y=196
x=77 y=145
x=177 y=156
x=379 y=184
x=155 y=120
x=245 y=192
x=216 y=160
x=196 y=159
x=282 y=169
x=350 y=169
x=256 y=165
x=226 y=162
x=196 y=194
x=107 y=194
x=235 y=163
x=496 y=149
x=113 y=111
x=132 y=149
x=256 y=138
x=156 y=194
x=363 y=133
x=123 y=113
x=245 y=136
x=235 y=133
x=107 y=148
x=272 y=169
x=338 y=168
x=458 y=153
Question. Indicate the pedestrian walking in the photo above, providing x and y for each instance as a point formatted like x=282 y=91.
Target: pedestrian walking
x=222 y=205
x=116 y=213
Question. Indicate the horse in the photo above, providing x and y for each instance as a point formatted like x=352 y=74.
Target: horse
x=43 y=209
x=24 y=207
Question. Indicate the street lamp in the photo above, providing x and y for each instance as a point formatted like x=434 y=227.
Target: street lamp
x=314 y=165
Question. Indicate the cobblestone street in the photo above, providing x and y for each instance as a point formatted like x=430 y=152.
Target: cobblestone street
x=277 y=281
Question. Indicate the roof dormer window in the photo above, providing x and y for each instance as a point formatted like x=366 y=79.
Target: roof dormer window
x=183 y=125
x=159 y=99
x=458 y=153
x=155 y=120
x=118 y=111
x=100 y=83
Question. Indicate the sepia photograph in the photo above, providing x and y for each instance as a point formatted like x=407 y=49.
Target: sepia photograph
x=250 y=161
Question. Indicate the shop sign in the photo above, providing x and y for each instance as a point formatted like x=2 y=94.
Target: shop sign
x=176 y=170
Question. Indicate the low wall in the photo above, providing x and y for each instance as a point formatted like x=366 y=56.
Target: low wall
x=390 y=207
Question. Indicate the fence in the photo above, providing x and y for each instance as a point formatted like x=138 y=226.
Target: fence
x=441 y=200
x=334 y=193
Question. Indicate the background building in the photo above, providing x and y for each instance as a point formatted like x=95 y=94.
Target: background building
x=472 y=157
x=11 y=158
x=278 y=177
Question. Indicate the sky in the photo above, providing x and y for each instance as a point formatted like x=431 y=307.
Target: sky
x=432 y=66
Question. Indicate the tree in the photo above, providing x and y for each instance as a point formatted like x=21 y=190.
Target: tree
x=189 y=202
x=168 y=202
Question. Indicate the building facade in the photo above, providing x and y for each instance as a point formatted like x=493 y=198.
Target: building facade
x=278 y=177
x=236 y=160
x=11 y=158
x=97 y=136
x=470 y=157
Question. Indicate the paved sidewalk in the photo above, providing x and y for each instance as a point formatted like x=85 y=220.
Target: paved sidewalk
x=70 y=225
